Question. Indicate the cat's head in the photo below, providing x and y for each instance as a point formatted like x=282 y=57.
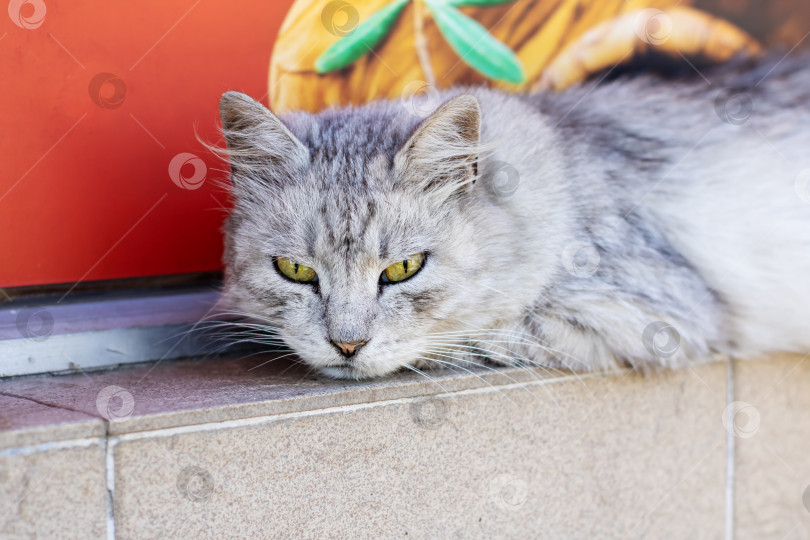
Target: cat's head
x=354 y=231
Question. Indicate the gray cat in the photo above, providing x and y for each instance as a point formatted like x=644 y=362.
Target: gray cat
x=640 y=222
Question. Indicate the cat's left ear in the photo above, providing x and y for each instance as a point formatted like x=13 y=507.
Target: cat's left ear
x=442 y=153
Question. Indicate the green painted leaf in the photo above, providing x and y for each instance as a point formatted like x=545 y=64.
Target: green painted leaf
x=364 y=38
x=474 y=45
x=462 y=3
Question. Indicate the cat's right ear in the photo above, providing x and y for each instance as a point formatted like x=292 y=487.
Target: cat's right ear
x=259 y=144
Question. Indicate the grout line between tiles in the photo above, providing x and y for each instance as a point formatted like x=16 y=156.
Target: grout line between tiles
x=729 y=525
x=109 y=469
x=255 y=420
x=55 y=445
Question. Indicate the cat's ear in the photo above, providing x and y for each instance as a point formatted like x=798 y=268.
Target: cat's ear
x=258 y=142
x=442 y=153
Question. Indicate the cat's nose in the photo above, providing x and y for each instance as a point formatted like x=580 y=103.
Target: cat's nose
x=348 y=349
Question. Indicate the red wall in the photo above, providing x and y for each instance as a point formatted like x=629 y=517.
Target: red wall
x=85 y=191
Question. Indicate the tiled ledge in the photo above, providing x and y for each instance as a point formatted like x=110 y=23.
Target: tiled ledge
x=223 y=448
x=189 y=392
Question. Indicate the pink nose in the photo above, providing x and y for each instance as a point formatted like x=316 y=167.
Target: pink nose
x=348 y=349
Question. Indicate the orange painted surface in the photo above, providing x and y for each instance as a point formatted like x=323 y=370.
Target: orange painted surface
x=86 y=191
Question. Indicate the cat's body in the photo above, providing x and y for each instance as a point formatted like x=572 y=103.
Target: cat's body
x=641 y=222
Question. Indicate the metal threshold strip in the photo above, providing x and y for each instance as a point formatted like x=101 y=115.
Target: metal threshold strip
x=105 y=332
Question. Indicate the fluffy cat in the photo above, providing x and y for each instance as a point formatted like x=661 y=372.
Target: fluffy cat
x=640 y=222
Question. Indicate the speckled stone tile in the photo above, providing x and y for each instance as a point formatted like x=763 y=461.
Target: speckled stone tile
x=185 y=392
x=24 y=422
x=772 y=447
x=56 y=492
x=625 y=456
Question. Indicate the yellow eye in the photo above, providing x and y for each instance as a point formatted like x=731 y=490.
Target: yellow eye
x=403 y=269
x=296 y=271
